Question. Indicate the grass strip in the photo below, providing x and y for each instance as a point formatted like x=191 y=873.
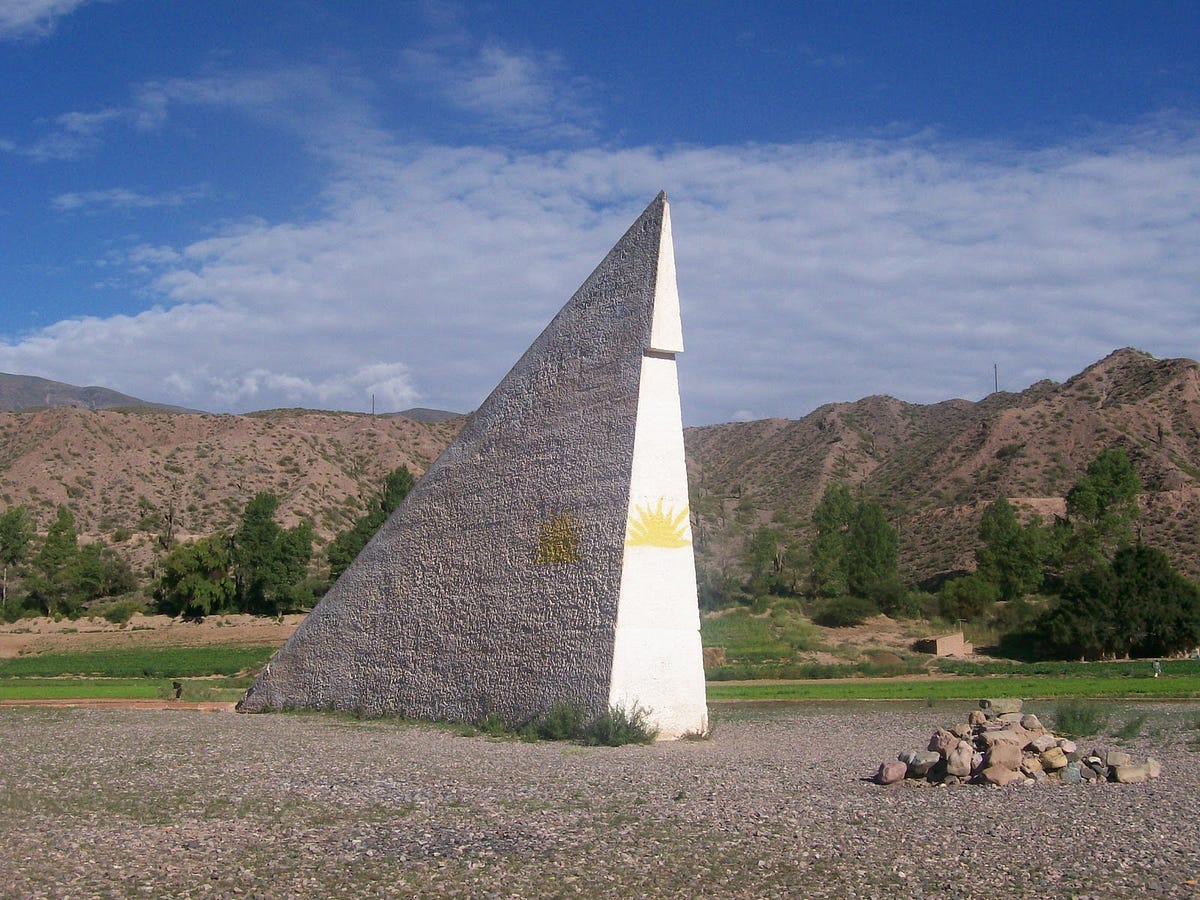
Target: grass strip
x=961 y=688
x=218 y=690
x=156 y=662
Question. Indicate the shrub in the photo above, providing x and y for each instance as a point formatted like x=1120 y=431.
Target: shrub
x=1079 y=719
x=617 y=726
x=845 y=611
x=119 y=611
x=562 y=722
x=1131 y=729
x=968 y=597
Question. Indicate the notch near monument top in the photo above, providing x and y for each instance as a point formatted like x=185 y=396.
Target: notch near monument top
x=546 y=556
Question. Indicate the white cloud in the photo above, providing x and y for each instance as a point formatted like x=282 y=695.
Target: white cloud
x=808 y=273
x=508 y=89
x=33 y=18
x=122 y=198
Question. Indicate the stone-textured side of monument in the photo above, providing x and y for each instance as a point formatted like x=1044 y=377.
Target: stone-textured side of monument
x=494 y=587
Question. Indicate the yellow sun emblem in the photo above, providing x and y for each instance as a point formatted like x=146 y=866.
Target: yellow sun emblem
x=558 y=541
x=657 y=527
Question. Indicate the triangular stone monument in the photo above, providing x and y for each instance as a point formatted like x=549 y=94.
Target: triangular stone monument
x=546 y=556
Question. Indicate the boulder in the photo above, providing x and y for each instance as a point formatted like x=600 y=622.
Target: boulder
x=890 y=771
x=1114 y=758
x=1032 y=766
x=1043 y=742
x=1012 y=734
x=1153 y=767
x=998 y=706
x=1068 y=746
x=1005 y=755
x=959 y=761
x=977 y=717
x=1001 y=776
x=1072 y=774
x=1030 y=722
x=1129 y=774
x=1053 y=759
x=943 y=741
x=919 y=762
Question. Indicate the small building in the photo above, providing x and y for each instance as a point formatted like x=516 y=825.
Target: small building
x=953 y=644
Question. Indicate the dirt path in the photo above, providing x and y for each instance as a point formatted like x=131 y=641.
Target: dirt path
x=119 y=703
x=44 y=635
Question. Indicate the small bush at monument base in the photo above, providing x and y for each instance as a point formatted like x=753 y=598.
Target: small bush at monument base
x=617 y=726
x=568 y=721
x=562 y=722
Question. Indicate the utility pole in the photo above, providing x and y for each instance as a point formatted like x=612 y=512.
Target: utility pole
x=996 y=375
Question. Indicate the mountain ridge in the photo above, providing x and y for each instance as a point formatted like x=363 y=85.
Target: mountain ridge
x=142 y=472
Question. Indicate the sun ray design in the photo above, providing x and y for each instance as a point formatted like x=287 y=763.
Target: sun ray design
x=558 y=541
x=657 y=527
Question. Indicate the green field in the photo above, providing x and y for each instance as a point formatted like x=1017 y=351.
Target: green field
x=216 y=672
x=963 y=688
x=223 y=672
x=159 y=662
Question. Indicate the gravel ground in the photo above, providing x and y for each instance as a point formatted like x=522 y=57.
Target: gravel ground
x=102 y=803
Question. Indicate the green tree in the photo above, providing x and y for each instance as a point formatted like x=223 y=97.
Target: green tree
x=52 y=585
x=346 y=546
x=831 y=525
x=16 y=532
x=1138 y=605
x=269 y=562
x=196 y=580
x=1103 y=505
x=764 y=559
x=871 y=551
x=98 y=571
x=1012 y=555
x=969 y=597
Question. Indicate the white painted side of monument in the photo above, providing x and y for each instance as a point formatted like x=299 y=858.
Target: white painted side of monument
x=657 y=657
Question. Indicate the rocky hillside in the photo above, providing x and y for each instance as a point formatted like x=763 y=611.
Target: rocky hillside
x=934 y=468
x=151 y=472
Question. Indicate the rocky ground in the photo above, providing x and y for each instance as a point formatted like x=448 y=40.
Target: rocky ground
x=778 y=802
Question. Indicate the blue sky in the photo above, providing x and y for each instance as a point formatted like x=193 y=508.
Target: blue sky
x=235 y=206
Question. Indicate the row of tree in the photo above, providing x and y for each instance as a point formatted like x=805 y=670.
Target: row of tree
x=1081 y=586
x=1111 y=595
x=259 y=567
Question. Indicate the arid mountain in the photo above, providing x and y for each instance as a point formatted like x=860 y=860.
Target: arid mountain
x=934 y=468
x=154 y=473
x=21 y=392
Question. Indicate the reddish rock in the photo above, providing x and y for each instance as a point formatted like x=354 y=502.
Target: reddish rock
x=943 y=742
x=1005 y=755
x=1001 y=776
x=891 y=771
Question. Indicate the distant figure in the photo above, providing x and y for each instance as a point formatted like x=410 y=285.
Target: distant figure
x=1157 y=668
x=178 y=686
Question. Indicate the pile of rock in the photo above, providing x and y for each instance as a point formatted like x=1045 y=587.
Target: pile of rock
x=1000 y=745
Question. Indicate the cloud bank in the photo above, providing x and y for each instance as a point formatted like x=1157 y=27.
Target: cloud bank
x=809 y=273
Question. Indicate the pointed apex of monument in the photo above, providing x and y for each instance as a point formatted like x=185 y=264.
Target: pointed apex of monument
x=666 y=329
